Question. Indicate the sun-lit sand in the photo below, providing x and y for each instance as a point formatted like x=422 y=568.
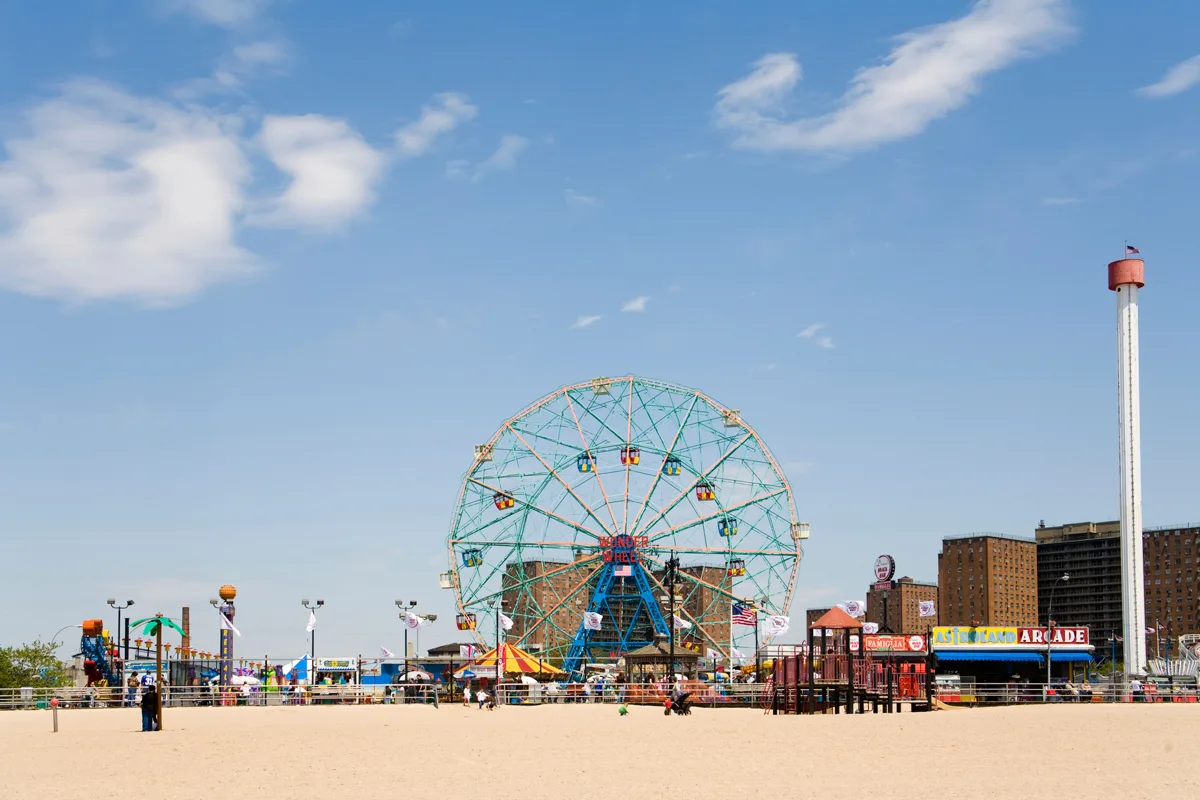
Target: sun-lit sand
x=581 y=752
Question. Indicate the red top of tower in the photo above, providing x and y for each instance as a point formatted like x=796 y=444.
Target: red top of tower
x=1127 y=270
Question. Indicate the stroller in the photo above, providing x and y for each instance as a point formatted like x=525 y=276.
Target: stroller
x=679 y=704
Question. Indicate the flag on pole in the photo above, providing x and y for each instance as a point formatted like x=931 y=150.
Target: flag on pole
x=227 y=624
x=1131 y=250
x=680 y=623
x=592 y=620
x=711 y=655
x=870 y=627
x=927 y=608
x=623 y=571
x=736 y=654
x=505 y=622
x=413 y=621
x=312 y=621
x=777 y=626
x=466 y=651
x=744 y=615
x=385 y=653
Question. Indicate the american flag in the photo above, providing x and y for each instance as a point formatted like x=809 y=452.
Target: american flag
x=625 y=571
x=1130 y=250
x=744 y=615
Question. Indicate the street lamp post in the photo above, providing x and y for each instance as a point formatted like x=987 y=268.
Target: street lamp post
x=1050 y=625
x=672 y=569
x=312 y=641
x=125 y=650
x=405 y=608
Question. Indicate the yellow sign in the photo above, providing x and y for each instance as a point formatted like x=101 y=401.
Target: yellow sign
x=974 y=637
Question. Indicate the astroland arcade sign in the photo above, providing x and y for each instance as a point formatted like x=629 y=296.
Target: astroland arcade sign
x=947 y=638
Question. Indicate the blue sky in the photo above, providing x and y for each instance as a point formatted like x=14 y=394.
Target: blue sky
x=268 y=270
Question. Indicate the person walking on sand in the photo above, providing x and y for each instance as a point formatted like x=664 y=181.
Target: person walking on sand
x=150 y=708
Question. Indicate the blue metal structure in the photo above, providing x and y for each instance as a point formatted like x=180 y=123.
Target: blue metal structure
x=95 y=649
x=630 y=618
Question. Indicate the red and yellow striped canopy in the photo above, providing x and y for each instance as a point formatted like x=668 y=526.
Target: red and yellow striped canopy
x=516 y=660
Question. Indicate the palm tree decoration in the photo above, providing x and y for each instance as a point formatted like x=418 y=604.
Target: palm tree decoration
x=154 y=626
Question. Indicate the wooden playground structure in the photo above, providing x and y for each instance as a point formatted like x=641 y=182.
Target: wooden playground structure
x=834 y=672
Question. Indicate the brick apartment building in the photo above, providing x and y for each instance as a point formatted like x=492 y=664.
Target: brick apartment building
x=1090 y=553
x=988 y=579
x=903 y=606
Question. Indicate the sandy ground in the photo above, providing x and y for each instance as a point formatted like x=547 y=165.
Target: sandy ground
x=582 y=752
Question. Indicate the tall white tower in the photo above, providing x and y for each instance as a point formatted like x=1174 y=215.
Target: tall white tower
x=1125 y=277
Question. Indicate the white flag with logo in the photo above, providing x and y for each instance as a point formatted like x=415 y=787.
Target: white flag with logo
x=592 y=620
x=227 y=624
x=777 y=626
x=466 y=651
x=505 y=622
x=852 y=607
x=927 y=608
x=711 y=654
x=680 y=623
x=737 y=655
x=870 y=627
x=413 y=621
x=312 y=621
x=385 y=653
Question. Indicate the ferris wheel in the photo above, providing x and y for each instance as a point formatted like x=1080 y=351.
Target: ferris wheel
x=570 y=514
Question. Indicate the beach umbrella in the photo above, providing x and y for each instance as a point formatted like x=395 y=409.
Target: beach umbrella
x=237 y=680
x=528 y=681
x=416 y=675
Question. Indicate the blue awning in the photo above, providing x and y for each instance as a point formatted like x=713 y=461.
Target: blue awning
x=988 y=655
x=1077 y=655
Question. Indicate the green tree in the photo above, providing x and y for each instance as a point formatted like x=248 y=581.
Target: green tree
x=32 y=664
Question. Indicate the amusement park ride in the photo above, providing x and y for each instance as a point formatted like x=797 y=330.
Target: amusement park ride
x=571 y=512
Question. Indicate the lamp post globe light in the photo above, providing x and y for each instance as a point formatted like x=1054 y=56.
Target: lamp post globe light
x=1050 y=625
x=312 y=638
x=122 y=637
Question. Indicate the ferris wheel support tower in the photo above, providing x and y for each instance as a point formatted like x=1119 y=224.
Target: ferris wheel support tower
x=1126 y=277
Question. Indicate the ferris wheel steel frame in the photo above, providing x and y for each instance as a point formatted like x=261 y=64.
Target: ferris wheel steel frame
x=535 y=500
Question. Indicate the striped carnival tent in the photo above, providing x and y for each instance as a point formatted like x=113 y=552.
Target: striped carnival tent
x=515 y=661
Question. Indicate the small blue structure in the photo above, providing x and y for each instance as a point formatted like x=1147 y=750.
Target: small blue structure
x=586 y=462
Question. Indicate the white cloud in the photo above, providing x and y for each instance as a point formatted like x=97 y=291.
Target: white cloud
x=1059 y=201
x=504 y=158
x=247 y=61
x=811 y=330
x=333 y=171
x=636 y=305
x=584 y=321
x=451 y=110
x=107 y=195
x=458 y=168
x=930 y=72
x=579 y=198
x=226 y=13
x=1179 y=78
x=825 y=342
x=115 y=196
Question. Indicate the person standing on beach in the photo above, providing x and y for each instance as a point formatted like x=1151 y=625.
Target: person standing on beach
x=150 y=708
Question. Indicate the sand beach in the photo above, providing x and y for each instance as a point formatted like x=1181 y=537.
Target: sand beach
x=583 y=752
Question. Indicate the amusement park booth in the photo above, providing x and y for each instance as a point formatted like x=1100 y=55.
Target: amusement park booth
x=996 y=655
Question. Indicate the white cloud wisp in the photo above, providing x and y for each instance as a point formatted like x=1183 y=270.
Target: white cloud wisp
x=636 y=305
x=226 y=13
x=418 y=137
x=584 y=321
x=931 y=72
x=1179 y=78
x=504 y=158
